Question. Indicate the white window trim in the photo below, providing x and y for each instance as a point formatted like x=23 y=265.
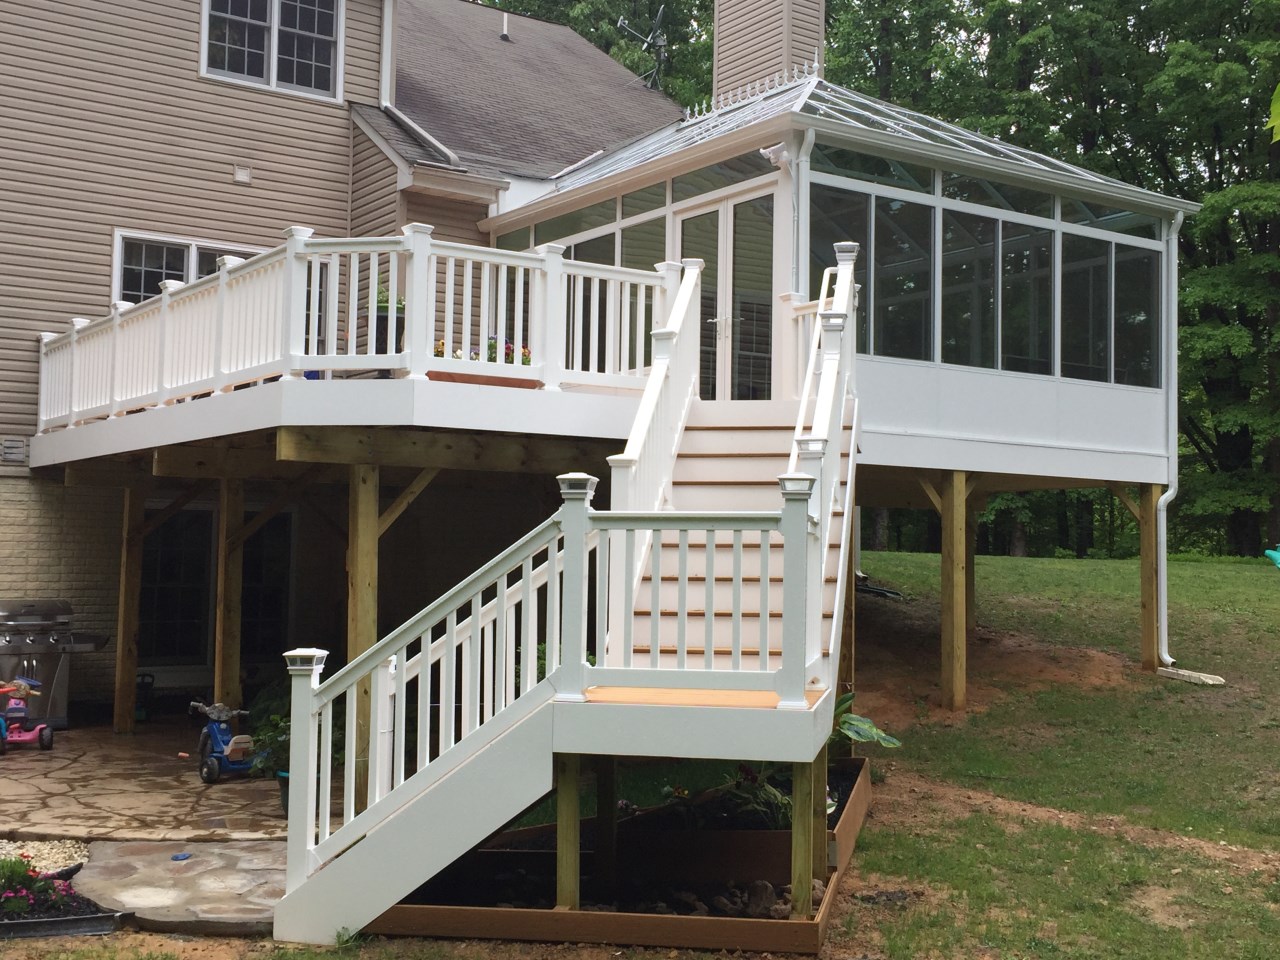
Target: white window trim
x=120 y=234
x=339 y=58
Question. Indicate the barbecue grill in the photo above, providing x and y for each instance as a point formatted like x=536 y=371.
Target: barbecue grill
x=36 y=641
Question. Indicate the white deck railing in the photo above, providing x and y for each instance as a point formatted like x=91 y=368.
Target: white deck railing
x=406 y=306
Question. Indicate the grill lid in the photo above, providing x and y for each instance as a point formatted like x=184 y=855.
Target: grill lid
x=35 y=614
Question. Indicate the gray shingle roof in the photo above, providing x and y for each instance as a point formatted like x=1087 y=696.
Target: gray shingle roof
x=407 y=144
x=528 y=107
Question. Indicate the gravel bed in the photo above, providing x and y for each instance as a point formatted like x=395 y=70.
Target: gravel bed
x=47 y=854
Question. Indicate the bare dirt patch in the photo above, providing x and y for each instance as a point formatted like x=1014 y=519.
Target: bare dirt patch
x=1159 y=905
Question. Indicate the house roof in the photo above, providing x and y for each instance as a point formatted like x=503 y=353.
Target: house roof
x=878 y=126
x=411 y=147
x=529 y=106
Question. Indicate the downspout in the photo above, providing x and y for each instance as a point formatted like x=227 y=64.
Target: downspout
x=386 y=82
x=800 y=215
x=1166 y=662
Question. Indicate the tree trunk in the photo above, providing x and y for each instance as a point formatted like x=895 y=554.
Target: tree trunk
x=1018 y=542
x=880 y=529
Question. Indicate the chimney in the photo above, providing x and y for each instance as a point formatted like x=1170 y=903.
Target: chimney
x=755 y=39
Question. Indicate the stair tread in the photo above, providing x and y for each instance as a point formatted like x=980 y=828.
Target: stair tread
x=702 y=578
x=719 y=614
x=669 y=697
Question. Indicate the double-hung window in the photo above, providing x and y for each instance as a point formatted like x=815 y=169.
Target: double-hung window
x=143 y=260
x=287 y=44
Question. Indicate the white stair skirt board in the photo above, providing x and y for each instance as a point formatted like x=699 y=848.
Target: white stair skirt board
x=423 y=837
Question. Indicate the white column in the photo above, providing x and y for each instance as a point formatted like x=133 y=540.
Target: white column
x=419 y=301
x=577 y=490
x=293 y=318
x=796 y=491
x=304 y=666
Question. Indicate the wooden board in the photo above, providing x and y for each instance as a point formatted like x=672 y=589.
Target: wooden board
x=671 y=697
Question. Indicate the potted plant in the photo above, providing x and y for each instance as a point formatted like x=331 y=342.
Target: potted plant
x=271 y=740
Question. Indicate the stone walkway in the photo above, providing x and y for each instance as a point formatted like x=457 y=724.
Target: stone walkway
x=139 y=804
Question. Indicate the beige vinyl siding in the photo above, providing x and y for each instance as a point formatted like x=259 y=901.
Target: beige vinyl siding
x=375 y=192
x=454 y=220
x=108 y=125
x=754 y=39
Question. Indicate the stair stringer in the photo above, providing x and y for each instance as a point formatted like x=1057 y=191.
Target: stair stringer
x=426 y=834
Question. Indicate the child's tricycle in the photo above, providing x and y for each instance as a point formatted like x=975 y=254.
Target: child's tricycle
x=16 y=727
x=219 y=750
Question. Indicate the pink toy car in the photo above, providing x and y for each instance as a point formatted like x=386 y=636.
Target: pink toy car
x=16 y=727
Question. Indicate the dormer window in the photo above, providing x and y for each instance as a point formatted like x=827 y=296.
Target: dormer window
x=292 y=45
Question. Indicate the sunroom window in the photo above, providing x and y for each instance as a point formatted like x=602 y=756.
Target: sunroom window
x=289 y=44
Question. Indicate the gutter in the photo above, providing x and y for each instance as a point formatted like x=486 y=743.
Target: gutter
x=1165 y=667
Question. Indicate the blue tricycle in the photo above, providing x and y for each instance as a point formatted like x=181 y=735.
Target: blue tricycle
x=220 y=751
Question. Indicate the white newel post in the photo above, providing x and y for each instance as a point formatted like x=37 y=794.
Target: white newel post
x=293 y=321
x=117 y=355
x=220 y=323
x=670 y=271
x=419 y=299
x=73 y=405
x=797 y=488
x=380 y=692
x=846 y=300
x=304 y=666
x=167 y=289
x=44 y=400
x=577 y=490
x=549 y=335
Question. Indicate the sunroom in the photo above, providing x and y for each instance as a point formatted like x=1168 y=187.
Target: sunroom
x=1017 y=313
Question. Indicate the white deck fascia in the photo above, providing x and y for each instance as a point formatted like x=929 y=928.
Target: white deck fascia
x=353 y=403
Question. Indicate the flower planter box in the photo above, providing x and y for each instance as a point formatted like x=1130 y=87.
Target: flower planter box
x=484 y=379
x=710 y=854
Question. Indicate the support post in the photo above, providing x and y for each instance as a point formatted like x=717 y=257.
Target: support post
x=362 y=600
x=606 y=852
x=419 y=300
x=568 y=827
x=790 y=677
x=819 y=813
x=304 y=666
x=130 y=596
x=551 y=335
x=293 y=314
x=801 y=841
x=229 y=583
x=970 y=587
x=1149 y=495
x=577 y=490
x=954 y=537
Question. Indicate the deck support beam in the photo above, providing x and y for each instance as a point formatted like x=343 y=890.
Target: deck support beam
x=128 y=601
x=802 y=778
x=953 y=498
x=605 y=870
x=362 y=600
x=1148 y=497
x=229 y=580
x=568 y=831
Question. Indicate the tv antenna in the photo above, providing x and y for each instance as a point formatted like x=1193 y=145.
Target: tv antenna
x=656 y=43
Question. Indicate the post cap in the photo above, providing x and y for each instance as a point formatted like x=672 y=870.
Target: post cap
x=796 y=485
x=813 y=446
x=305 y=660
x=577 y=485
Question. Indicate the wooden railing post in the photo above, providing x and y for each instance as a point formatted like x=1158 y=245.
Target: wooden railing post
x=304 y=666
x=419 y=300
x=577 y=490
x=293 y=320
x=549 y=335
x=797 y=488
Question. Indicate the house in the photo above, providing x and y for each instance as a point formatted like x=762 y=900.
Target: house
x=718 y=332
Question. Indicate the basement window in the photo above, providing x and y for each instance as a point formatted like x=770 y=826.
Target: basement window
x=292 y=45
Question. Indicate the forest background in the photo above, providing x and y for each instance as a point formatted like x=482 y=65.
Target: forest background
x=1173 y=96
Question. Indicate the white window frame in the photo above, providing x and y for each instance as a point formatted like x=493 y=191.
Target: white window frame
x=120 y=234
x=270 y=83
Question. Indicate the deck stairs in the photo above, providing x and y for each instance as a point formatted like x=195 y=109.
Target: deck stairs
x=450 y=724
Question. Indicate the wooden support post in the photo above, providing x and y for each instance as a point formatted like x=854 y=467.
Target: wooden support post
x=801 y=841
x=362 y=601
x=954 y=537
x=130 y=596
x=819 y=813
x=229 y=580
x=970 y=588
x=568 y=831
x=606 y=852
x=1149 y=494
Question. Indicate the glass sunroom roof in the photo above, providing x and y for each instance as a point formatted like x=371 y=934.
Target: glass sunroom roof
x=808 y=98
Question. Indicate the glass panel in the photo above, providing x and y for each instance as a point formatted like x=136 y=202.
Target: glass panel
x=597 y=250
x=968 y=289
x=864 y=166
x=207 y=259
x=904 y=273
x=173 y=616
x=752 y=299
x=305 y=45
x=237 y=41
x=1026 y=299
x=515 y=240
x=579 y=221
x=144 y=263
x=642 y=201
x=959 y=186
x=1137 y=317
x=719 y=175
x=834 y=217
x=645 y=244
x=700 y=238
x=1092 y=214
x=1086 y=351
